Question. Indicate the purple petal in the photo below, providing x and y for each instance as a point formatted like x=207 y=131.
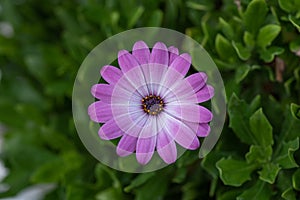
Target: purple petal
x=100 y=112
x=182 y=63
x=131 y=123
x=184 y=135
x=126 y=61
x=110 y=131
x=189 y=112
x=141 y=52
x=166 y=147
x=127 y=145
x=197 y=80
x=203 y=130
x=150 y=128
x=159 y=54
x=111 y=74
x=173 y=53
x=102 y=92
x=145 y=149
x=205 y=94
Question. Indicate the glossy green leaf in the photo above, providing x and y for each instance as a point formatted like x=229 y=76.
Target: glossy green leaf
x=296 y=180
x=285 y=158
x=295 y=109
x=141 y=179
x=288 y=5
x=269 y=172
x=267 y=34
x=259 y=154
x=244 y=53
x=261 y=128
x=242 y=72
x=255 y=15
x=239 y=112
x=260 y=191
x=269 y=54
x=248 y=39
x=226 y=28
x=224 y=48
x=234 y=172
x=289 y=194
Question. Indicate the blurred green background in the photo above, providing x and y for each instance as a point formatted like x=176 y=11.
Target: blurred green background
x=256 y=45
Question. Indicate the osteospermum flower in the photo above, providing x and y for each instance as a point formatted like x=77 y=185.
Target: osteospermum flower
x=149 y=103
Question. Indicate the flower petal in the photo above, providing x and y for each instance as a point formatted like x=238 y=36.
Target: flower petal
x=205 y=94
x=111 y=74
x=141 y=52
x=100 y=112
x=183 y=135
x=189 y=112
x=102 y=92
x=126 y=61
x=173 y=53
x=159 y=54
x=203 y=130
x=127 y=145
x=182 y=63
x=197 y=80
x=110 y=130
x=145 y=149
x=166 y=147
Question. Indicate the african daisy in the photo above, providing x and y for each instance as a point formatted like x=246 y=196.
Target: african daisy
x=150 y=104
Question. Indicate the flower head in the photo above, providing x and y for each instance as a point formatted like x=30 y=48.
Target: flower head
x=150 y=104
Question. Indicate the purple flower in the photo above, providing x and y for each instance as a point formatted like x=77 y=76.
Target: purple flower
x=150 y=103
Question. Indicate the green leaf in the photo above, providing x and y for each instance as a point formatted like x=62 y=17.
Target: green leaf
x=135 y=16
x=260 y=191
x=234 y=172
x=295 y=22
x=241 y=73
x=209 y=163
x=269 y=54
x=249 y=40
x=141 y=179
x=288 y=5
x=285 y=158
x=153 y=189
x=255 y=15
x=261 y=128
x=155 y=19
x=295 y=109
x=296 y=180
x=239 y=114
x=289 y=194
x=224 y=48
x=243 y=52
x=229 y=195
x=291 y=126
x=259 y=154
x=226 y=28
x=109 y=194
x=269 y=172
x=267 y=34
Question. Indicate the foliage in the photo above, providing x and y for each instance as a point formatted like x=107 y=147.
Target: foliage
x=256 y=45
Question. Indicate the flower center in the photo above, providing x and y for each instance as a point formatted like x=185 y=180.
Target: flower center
x=152 y=104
